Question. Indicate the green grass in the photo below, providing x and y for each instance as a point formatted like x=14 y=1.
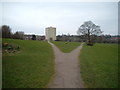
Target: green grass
x=66 y=47
x=32 y=67
x=99 y=65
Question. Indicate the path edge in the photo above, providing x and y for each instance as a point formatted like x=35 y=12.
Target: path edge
x=54 y=74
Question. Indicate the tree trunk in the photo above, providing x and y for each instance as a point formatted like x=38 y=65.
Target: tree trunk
x=89 y=36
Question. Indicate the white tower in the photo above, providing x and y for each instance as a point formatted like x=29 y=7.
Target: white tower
x=50 y=33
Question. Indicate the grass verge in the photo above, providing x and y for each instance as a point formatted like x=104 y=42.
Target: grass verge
x=99 y=65
x=32 y=67
x=66 y=47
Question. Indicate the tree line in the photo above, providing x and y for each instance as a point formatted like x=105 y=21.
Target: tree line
x=7 y=33
x=94 y=38
x=90 y=33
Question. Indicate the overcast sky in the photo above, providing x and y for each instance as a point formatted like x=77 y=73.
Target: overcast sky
x=33 y=18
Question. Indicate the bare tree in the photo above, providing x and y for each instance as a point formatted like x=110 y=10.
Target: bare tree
x=88 y=29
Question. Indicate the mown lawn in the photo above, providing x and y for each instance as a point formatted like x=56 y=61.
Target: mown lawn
x=32 y=67
x=66 y=47
x=99 y=65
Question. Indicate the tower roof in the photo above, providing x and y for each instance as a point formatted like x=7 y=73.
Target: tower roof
x=50 y=27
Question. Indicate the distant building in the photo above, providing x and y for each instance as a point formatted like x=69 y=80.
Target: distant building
x=50 y=33
x=21 y=34
x=38 y=37
x=27 y=37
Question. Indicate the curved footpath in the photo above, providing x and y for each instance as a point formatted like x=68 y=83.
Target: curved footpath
x=67 y=69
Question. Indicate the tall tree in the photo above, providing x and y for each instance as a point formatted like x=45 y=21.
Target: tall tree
x=6 y=32
x=88 y=29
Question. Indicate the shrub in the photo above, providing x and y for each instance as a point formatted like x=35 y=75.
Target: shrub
x=11 y=48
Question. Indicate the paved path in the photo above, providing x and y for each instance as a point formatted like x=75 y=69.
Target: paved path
x=67 y=69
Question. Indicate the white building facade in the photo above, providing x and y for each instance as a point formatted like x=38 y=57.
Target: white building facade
x=50 y=33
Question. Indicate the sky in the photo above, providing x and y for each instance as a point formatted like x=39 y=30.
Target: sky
x=34 y=17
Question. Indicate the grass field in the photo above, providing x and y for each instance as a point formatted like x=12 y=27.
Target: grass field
x=32 y=67
x=66 y=47
x=99 y=65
